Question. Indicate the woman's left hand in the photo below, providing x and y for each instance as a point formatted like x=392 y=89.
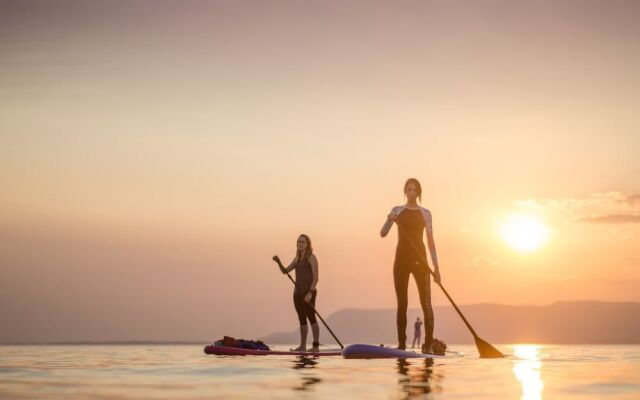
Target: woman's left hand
x=436 y=276
x=307 y=297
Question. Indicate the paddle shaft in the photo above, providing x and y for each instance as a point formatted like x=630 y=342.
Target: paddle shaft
x=314 y=310
x=424 y=259
x=473 y=332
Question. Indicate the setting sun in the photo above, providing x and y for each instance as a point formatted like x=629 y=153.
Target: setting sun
x=524 y=232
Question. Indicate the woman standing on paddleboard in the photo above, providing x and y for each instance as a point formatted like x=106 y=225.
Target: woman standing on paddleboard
x=304 y=294
x=411 y=256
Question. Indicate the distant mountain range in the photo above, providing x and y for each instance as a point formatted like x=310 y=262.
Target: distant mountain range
x=575 y=322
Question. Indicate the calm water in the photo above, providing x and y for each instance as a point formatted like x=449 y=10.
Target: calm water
x=184 y=372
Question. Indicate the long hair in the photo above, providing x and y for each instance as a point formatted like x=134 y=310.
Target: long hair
x=418 y=187
x=308 y=251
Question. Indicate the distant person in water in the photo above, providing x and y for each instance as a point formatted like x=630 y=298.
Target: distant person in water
x=305 y=264
x=417 y=332
x=412 y=221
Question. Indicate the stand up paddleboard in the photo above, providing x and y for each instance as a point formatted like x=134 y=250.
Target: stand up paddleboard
x=371 y=351
x=234 y=351
x=362 y=351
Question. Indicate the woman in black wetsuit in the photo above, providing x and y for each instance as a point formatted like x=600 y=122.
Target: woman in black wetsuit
x=304 y=294
x=412 y=220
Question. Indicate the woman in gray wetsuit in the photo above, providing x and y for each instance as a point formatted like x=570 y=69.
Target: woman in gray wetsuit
x=304 y=294
x=412 y=221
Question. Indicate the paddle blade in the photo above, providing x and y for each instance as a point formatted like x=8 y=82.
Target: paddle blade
x=486 y=350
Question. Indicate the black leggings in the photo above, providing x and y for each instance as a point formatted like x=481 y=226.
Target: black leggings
x=401 y=272
x=304 y=310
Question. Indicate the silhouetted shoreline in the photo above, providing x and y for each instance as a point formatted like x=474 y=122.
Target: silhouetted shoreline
x=107 y=343
x=567 y=322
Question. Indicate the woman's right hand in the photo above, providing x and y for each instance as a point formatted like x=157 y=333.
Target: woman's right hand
x=282 y=268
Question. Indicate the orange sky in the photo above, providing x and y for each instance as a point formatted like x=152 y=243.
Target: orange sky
x=155 y=156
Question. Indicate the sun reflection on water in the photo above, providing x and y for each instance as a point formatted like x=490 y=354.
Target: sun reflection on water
x=527 y=371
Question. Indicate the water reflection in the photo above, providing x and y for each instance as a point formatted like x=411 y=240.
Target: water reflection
x=415 y=379
x=527 y=371
x=306 y=364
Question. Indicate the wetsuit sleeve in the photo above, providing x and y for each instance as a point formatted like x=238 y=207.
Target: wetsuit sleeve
x=387 y=224
x=428 y=224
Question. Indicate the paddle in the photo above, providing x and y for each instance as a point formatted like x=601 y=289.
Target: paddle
x=485 y=349
x=277 y=260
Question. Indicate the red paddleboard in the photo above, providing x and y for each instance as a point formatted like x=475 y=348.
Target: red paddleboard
x=234 y=351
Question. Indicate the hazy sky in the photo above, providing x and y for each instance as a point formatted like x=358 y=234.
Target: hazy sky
x=155 y=155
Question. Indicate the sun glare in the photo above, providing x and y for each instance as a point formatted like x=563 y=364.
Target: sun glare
x=524 y=232
x=527 y=371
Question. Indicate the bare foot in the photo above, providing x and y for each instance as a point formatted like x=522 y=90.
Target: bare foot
x=315 y=349
x=426 y=349
x=300 y=348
